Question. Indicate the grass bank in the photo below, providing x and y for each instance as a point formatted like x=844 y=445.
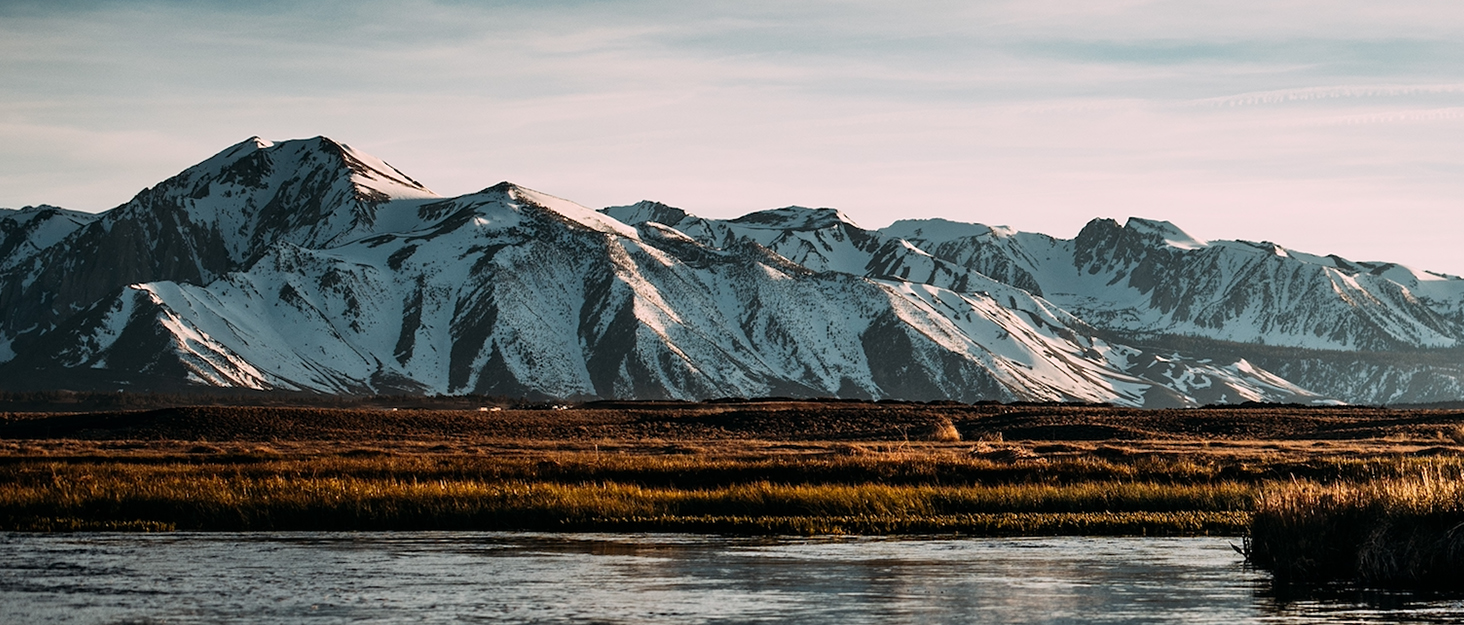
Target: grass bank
x=390 y=494
x=1315 y=517
x=1397 y=531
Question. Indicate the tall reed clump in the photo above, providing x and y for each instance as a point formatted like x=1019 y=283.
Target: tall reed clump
x=1400 y=532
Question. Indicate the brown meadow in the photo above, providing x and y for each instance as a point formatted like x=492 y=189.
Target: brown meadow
x=1353 y=493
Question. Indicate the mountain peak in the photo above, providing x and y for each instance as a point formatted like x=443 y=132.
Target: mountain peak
x=565 y=209
x=646 y=211
x=795 y=218
x=502 y=187
x=1165 y=231
x=256 y=192
x=375 y=174
x=38 y=208
x=935 y=231
x=240 y=149
x=30 y=230
x=254 y=160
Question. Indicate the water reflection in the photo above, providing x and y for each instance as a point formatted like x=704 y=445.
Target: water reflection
x=1353 y=605
x=509 y=577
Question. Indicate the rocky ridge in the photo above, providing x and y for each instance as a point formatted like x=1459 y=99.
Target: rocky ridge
x=308 y=265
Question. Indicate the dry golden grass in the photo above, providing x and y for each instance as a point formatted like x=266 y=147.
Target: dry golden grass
x=758 y=467
x=339 y=495
x=945 y=431
x=359 y=487
x=1401 y=529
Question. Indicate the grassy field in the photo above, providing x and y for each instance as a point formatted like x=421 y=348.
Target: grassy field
x=304 y=495
x=1321 y=494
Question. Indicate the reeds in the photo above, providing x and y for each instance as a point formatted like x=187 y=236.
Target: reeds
x=1324 y=524
x=844 y=464
x=1386 y=532
x=243 y=497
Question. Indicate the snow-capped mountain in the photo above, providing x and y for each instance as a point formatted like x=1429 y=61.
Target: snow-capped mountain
x=309 y=265
x=1364 y=332
x=215 y=217
x=1151 y=278
x=31 y=230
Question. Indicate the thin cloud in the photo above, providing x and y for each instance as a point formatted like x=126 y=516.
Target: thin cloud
x=1272 y=116
x=1341 y=92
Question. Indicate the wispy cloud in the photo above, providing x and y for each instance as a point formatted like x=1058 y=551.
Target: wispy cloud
x=1296 y=121
x=1339 y=92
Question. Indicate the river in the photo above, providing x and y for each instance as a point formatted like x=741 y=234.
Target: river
x=612 y=578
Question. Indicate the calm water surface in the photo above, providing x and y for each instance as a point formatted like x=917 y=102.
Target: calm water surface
x=514 y=577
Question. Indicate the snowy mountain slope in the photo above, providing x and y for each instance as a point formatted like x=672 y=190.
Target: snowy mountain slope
x=1358 y=377
x=1361 y=332
x=512 y=291
x=309 y=265
x=27 y=232
x=1151 y=278
x=1390 y=380
x=214 y=217
x=826 y=240
x=550 y=295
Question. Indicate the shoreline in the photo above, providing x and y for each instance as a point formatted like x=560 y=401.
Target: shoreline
x=756 y=469
x=981 y=525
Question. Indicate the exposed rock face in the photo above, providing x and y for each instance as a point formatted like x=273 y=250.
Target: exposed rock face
x=309 y=265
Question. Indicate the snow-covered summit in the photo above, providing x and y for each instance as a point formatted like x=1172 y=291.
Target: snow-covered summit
x=26 y=232
x=936 y=231
x=306 y=191
x=26 y=213
x=220 y=215
x=575 y=213
x=646 y=211
x=374 y=174
x=1164 y=231
x=795 y=218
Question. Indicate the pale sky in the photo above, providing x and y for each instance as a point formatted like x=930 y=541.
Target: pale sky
x=1327 y=127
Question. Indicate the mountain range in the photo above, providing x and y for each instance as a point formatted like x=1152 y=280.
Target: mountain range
x=308 y=265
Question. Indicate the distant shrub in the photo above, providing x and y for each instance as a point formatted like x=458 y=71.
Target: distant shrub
x=944 y=431
x=1455 y=433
